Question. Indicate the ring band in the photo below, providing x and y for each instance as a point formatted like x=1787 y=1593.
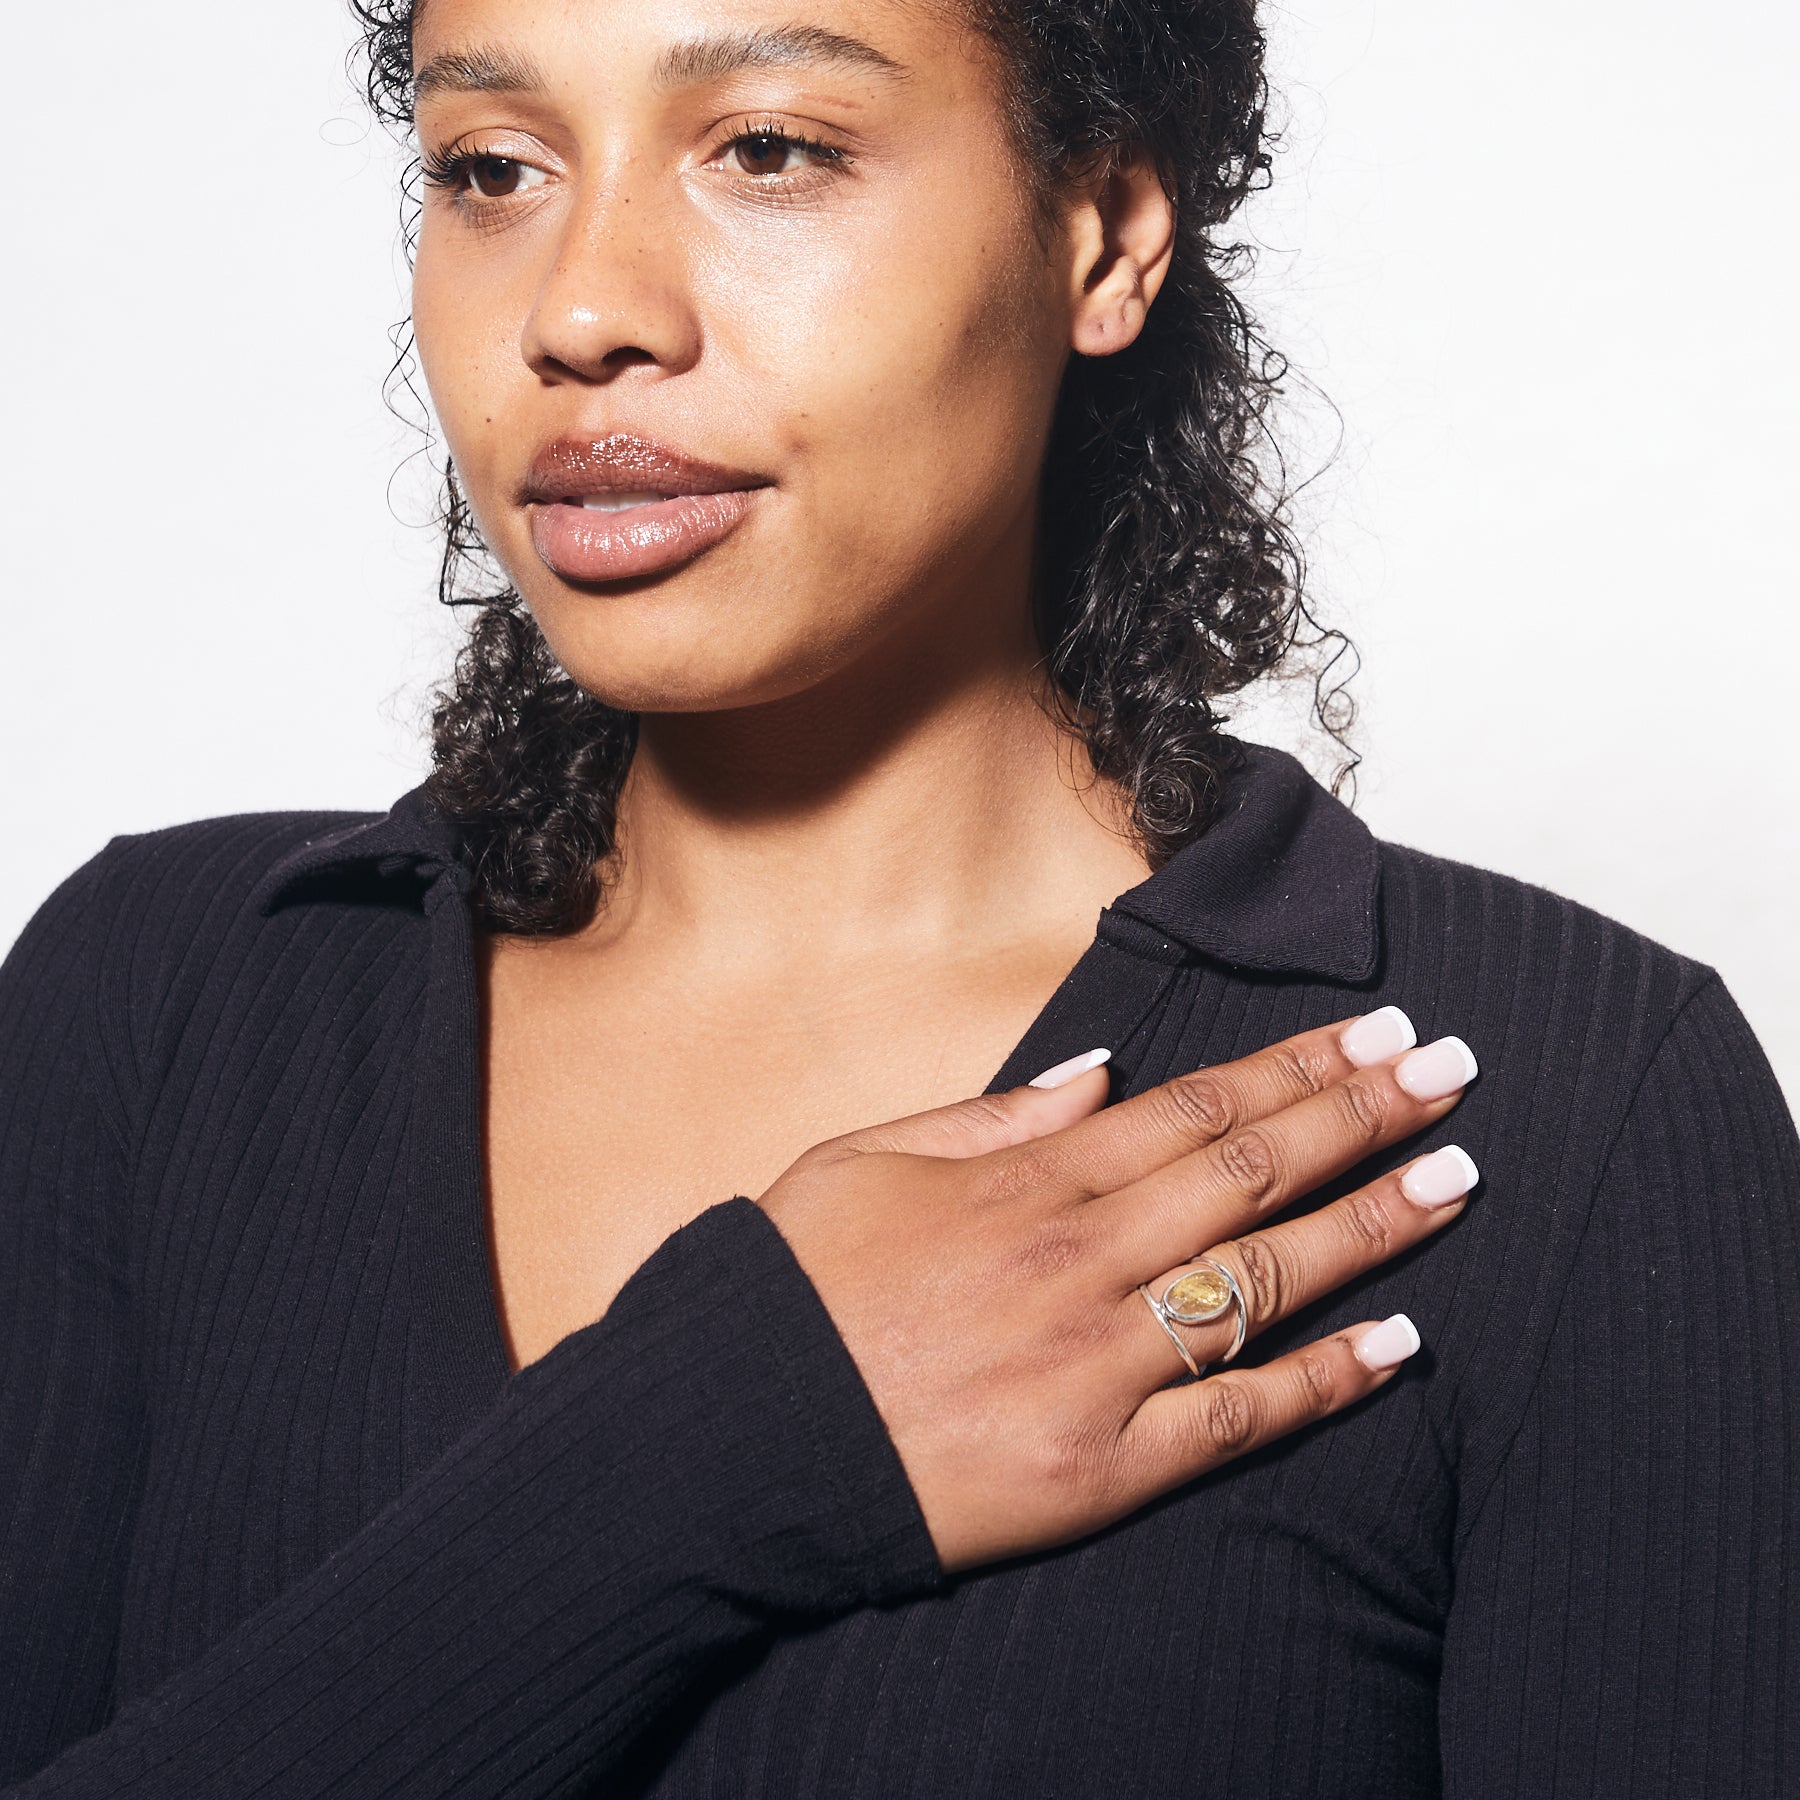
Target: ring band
x=1204 y=1291
x=1181 y=1349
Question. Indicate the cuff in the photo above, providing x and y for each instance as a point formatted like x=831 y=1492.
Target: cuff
x=779 y=1424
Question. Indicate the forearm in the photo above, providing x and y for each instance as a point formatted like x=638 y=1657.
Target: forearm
x=661 y=1487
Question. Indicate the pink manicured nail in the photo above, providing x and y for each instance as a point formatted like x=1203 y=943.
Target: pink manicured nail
x=1067 y=1071
x=1441 y=1177
x=1388 y=1344
x=1438 y=1070
x=1377 y=1036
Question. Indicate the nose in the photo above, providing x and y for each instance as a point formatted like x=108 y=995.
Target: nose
x=616 y=296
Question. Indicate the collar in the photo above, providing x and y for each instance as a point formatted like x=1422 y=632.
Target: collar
x=412 y=843
x=1283 y=882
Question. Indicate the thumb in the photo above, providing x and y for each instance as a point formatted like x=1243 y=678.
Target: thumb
x=1051 y=1102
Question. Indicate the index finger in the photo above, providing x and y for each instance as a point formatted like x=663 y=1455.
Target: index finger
x=1127 y=1142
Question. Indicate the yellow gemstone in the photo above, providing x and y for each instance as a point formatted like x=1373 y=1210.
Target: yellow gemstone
x=1200 y=1294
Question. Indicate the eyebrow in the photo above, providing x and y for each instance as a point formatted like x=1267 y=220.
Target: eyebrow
x=774 y=47
x=486 y=71
x=478 y=72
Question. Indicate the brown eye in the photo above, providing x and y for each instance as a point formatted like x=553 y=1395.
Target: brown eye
x=500 y=177
x=763 y=153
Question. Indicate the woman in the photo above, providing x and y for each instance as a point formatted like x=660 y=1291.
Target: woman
x=854 y=401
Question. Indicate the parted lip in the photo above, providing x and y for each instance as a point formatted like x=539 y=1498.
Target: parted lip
x=622 y=462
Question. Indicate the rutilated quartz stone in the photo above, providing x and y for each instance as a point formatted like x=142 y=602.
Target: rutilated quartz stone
x=1201 y=1294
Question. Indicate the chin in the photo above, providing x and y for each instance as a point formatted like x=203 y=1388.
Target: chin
x=696 y=646
x=683 y=671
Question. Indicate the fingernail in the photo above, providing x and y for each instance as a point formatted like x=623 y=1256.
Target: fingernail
x=1376 y=1036
x=1387 y=1345
x=1441 y=1177
x=1067 y=1071
x=1438 y=1070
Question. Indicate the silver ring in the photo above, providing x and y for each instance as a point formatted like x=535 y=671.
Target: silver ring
x=1181 y=1349
x=1202 y=1292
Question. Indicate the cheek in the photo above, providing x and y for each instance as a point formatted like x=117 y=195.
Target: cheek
x=466 y=326
x=909 y=367
x=441 y=328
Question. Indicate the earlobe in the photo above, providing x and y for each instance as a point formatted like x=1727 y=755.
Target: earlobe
x=1125 y=240
x=1099 y=330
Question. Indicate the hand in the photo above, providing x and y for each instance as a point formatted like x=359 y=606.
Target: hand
x=983 y=1263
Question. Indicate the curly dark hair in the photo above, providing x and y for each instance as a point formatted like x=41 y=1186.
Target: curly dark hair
x=1168 y=575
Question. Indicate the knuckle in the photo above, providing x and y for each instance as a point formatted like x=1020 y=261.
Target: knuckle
x=1057 y=1174
x=1050 y=1248
x=1298 y=1072
x=1202 y=1105
x=1007 y=1179
x=1101 y=1477
x=1365 y=1107
x=1262 y=1278
x=1250 y=1164
x=988 y=1112
x=1071 y=1342
x=1316 y=1377
x=1227 y=1421
x=1367 y=1224
x=1058 y=1461
x=1072 y=1462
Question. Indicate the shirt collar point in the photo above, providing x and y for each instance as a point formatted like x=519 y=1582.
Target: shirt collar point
x=412 y=838
x=1285 y=881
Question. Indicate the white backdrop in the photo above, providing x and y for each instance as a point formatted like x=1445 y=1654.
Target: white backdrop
x=1540 y=257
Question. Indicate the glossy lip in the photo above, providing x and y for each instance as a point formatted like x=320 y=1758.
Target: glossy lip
x=705 y=502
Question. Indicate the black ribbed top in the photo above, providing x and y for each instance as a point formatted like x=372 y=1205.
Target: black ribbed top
x=275 y=1521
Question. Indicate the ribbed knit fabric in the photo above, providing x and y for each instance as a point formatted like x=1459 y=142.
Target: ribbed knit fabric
x=275 y=1521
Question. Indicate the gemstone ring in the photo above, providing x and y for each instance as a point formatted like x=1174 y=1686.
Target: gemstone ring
x=1199 y=1294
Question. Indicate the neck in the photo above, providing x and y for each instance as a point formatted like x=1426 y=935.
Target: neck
x=925 y=804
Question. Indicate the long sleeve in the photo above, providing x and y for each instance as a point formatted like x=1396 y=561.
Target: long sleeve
x=1625 y=1621
x=71 y=1417
x=662 y=1488
x=646 y=1497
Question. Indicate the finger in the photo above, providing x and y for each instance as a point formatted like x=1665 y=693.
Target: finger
x=988 y=1122
x=1181 y=1432
x=1143 y=1134
x=1221 y=1191
x=1286 y=1267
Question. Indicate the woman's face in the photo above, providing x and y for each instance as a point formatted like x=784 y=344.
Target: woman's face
x=742 y=328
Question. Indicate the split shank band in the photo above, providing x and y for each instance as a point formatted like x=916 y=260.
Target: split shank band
x=1202 y=1292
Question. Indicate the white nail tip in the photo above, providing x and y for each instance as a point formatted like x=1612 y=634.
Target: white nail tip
x=1394 y=1016
x=1441 y=1177
x=1065 y=1072
x=1471 y=1068
x=1387 y=1345
x=1455 y=1153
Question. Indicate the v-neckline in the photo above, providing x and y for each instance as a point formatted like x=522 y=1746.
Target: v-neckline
x=1284 y=881
x=457 y=1350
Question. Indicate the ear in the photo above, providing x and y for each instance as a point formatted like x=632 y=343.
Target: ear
x=1121 y=233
